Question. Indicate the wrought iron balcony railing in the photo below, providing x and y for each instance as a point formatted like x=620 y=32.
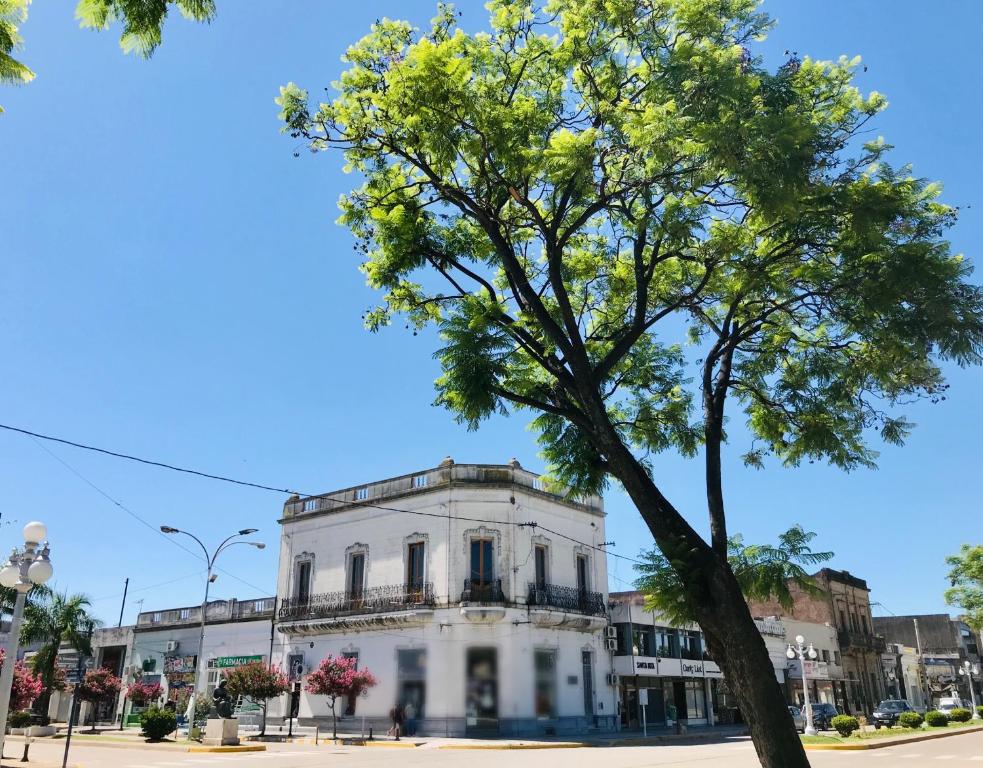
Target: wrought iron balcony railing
x=329 y=605
x=488 y=592
x=566 y=599
x=851 y=638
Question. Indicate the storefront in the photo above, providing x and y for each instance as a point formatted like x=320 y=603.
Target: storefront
x=821 y=678
x=677 y=689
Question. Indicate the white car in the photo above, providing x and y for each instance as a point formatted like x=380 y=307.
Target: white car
x=948 y=704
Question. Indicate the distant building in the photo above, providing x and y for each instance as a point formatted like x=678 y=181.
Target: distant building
x=165 y=644
x=475 y=593
x=941 y=645
x=844 y=604
x=669 y=663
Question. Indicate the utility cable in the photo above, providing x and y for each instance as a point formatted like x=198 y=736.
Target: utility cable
x=221 y=478
x=135 y=516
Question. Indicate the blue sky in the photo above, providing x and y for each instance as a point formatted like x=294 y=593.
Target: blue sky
x=173 y=284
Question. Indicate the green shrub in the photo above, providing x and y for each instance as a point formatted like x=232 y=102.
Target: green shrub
x=959 y=715
x=20 y=719
x=157 y=723
x=845 y=724
x=936 y=719
x=910 y=720
x=979 y=711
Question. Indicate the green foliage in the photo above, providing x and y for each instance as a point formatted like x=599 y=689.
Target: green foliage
x=613 y=212
x=53 y=619
x=910 y=720
x=142 y=20
x=157 y=723
x=936 y=719
x=959 y=715
x=979 y=711
x=845 y=724
x=19 y=718
x=203 y=708
x=764 y=572
x=13 y=13
x=966 y=577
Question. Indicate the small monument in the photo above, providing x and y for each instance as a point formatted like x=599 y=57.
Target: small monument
x=223 y=730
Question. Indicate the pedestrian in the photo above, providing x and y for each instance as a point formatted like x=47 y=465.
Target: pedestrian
x=410 y=715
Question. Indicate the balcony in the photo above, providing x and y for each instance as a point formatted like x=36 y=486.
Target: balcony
x=483 y=602
x=558 y=607
x=851 y=639
x=568 y=599
x=483 y=592
x=389 y=605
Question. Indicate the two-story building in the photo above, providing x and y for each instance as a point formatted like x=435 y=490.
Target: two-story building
x=474 y=593
x=165 y=644
x=842 y=603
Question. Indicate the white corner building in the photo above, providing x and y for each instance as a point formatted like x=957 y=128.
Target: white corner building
x=474 y=593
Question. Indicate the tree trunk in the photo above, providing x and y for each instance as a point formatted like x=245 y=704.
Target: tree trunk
x=737 y=646
x=722 y=612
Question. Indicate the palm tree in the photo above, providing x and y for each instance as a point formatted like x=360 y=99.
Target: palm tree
x=52 y=620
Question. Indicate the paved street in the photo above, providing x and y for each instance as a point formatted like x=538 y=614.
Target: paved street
x=956 y=751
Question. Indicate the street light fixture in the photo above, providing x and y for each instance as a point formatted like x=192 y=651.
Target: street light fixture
x=210 y=560
x=969 y=670
x=24 y=569
x=802 y=652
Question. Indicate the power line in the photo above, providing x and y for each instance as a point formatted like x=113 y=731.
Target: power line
x=221 y=478
x=130 y=512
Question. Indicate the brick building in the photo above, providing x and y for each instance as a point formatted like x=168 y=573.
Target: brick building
x=845 y=606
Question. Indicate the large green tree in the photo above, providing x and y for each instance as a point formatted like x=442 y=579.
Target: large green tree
x=966 y=578
x=50 y=621
x=623 y=222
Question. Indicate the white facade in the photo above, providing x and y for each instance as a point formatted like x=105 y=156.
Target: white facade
x=165 y=644
x=444 y=589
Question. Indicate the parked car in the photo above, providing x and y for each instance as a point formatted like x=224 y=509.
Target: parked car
x=888 y=711
x=798 y=718
x=822 y=716
x=946 y=705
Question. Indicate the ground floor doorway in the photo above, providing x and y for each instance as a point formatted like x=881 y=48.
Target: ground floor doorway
x=482 y=691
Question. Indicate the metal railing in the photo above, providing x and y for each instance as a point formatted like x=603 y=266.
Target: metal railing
x=566 y=599
x=489 y=592
x=852 y=638
x=329 y=605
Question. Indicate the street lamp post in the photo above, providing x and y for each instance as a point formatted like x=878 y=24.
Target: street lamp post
x=23 y=570
x=802 y=652
x=969 y=670
x=210 y=561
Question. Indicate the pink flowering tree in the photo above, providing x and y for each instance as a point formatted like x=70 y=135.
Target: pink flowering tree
x=257 y=682
x=26 y=686
x=339 y=678
x=140 y=692
x=98 y=685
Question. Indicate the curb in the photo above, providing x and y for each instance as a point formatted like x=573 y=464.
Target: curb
x=230 y=748
x=885 y=743
x=557 y=745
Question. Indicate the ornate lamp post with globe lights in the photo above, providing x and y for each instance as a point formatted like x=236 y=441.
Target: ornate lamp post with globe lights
x=25 y=568
x=802 y=652
x=970 y=671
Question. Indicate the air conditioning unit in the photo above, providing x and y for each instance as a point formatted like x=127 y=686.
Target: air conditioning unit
x=610 y=631
x=172 y=645
x=613 y=679
x=612 y=644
